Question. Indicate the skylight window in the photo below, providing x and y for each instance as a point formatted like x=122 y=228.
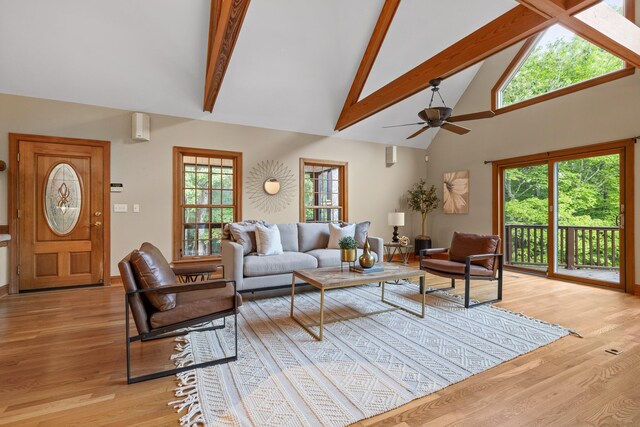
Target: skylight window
x=557 y=59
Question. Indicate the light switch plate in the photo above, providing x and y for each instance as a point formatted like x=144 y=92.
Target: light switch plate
x=120 y=207
x=136 y=208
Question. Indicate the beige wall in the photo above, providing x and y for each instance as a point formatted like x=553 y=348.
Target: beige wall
x=603 y=113
x=145 y=167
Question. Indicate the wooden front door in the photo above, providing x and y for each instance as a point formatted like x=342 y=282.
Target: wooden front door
x=62 y=210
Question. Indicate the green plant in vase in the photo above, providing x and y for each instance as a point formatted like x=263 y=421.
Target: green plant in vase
x=423 y=200
x=347 y=249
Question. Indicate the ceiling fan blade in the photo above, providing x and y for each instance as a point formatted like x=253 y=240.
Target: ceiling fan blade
x=413 y=135
x=406 y=124
x=455 y=128
x=472 y=116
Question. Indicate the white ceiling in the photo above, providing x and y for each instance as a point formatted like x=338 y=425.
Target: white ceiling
x=291 y=69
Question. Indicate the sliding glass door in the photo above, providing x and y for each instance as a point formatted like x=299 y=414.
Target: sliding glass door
x=588 y=218
x=563 y=213
x=526 y=219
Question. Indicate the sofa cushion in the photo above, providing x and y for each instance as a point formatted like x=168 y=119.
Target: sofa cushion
x=244 y=234
x=268 y=240
x=336 y=233
x=465 y=244
x=331 y=257
x=312 y=236
x=362 y=229
x=453 y=267
x=289 y=237
x=277 y=264
x=194 y=304
x=153 y=271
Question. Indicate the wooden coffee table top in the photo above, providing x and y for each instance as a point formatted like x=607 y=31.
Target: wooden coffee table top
x=332 y=277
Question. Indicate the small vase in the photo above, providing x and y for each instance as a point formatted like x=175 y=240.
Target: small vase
x=366 y=259
x=348 y=255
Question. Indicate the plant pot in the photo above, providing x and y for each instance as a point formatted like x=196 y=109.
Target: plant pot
x=348 y=255
x=422 y=243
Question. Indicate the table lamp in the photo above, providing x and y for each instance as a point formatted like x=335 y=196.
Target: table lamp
x=395 y=219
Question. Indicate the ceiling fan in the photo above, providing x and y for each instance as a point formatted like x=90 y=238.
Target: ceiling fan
x=440 y=117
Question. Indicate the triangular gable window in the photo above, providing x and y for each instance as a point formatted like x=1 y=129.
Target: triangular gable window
x=555 y=59
x=558 y=59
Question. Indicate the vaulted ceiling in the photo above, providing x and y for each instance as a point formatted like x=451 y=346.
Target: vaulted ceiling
x=291 y=69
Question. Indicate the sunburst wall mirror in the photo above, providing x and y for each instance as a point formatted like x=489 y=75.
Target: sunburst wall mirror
x=271 y=186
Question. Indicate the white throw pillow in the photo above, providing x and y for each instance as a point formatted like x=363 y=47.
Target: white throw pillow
x=268 y=240
x=336 y=233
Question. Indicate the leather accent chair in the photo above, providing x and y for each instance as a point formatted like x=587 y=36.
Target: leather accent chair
x=470 y=257
x=146 y=272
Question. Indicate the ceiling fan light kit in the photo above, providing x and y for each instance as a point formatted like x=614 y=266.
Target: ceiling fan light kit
x=440 y=117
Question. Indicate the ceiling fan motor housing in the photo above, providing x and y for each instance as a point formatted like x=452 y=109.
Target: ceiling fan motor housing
x=443 y=113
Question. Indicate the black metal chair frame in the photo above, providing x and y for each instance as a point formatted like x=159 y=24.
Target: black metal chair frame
x=166 y=331
x=468 y=277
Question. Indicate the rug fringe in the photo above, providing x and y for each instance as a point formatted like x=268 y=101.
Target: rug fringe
x=458 y=298
x=187 y=389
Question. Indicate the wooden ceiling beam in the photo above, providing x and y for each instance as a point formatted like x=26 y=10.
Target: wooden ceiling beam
x=606 y=28
x=557 y=8
x=515 y=25
x=225 y=22
x=371 y=53
x=596 y=22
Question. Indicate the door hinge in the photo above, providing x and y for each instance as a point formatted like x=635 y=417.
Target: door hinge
x=18 y=270
x=18 y=213
x=18 y=157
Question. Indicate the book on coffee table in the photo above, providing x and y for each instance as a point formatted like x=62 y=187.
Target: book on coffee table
x=374 y=269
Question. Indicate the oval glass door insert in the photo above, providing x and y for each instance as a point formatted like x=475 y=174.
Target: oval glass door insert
x=62 y=199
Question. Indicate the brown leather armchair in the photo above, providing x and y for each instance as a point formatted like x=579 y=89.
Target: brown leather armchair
x=470 y=257
x=160 y=306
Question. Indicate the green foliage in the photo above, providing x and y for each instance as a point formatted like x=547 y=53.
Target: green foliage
x=422 y=200
x=347 y=242
x=588 y=195
x=556 y=65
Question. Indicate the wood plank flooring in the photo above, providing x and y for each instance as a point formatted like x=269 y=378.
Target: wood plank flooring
x=62 y=362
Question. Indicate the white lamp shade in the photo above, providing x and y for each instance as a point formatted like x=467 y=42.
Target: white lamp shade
x=396 y=219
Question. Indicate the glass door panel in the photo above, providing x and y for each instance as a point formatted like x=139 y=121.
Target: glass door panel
x=587 y=213
x=526 y=218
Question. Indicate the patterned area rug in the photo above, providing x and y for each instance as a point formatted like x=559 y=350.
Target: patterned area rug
x=363 y=367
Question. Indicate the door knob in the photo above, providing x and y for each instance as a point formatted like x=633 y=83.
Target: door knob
x=98 y=213
x=96 y=224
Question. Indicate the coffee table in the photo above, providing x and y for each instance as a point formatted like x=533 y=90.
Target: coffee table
x=332 y=278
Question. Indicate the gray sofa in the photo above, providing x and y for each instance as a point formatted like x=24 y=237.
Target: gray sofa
x=304 y=245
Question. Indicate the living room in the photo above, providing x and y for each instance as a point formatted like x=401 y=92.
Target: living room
x=279 y=108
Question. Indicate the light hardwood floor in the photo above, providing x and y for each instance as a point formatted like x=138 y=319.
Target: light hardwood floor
x=62 y=362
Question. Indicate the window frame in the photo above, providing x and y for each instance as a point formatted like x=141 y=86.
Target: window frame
x=178 y=196
x=522 y=55
x=343 y=190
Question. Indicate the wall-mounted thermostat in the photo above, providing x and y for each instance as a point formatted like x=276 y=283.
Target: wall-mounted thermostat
x=117 y=187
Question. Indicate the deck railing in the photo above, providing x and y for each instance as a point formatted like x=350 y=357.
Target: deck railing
x=578 y=246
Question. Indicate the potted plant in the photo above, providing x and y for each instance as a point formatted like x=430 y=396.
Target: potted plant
x=347 y=249
x=424 y=201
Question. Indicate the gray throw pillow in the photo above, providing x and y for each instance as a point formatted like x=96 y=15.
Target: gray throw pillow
x=362 y=228
x=244 y=235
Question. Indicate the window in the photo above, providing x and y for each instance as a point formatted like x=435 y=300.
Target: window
x=207 y=195
x=323 y=193
x=554 y=63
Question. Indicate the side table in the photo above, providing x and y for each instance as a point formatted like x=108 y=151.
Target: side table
x=391 y=249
